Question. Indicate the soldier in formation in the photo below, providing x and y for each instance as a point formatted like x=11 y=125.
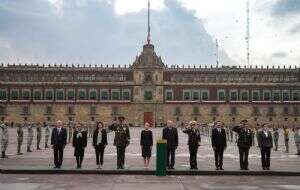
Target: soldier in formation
x=276 y=138
x=20 y=135
x=4 y=139
x=29 y=137
x=47 y=134
x=38 y=135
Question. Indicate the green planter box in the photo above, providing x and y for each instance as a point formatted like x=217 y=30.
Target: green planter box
x=161 y=157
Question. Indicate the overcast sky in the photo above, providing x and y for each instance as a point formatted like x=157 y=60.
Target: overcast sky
x=183 y=31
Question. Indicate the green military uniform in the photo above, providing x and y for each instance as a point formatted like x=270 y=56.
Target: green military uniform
x=121 y=141
x=276 y=138
x=47 y=135
x=4 y=139
x=38 y=136
x=29 y=137
x=20 y=134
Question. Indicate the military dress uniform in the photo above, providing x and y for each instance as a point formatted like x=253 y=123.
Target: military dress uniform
x=29 y=138
x=38 y=136
x=47 y=135
x=4 y=139
x=194 y=140
x=276 y=138
x=244 y=143
x=20 y=134
x=121 y=141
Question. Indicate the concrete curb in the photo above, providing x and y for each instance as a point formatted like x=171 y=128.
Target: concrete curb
x=149 y=172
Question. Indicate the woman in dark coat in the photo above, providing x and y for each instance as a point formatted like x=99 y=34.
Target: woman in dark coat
x=265 y=143
x=100 y=142
x=79 y=143
x=146 y=144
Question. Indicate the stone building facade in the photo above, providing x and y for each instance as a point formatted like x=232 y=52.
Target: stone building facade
x=149 y=91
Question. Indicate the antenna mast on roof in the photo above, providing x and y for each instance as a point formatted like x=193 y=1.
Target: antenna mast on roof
x=148 y=37
x=248 y=32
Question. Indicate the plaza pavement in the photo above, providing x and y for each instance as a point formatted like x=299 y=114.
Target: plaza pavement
x=43 y=159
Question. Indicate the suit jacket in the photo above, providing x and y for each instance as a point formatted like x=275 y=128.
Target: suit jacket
x=171 y=135
x=194 y=137
x=264 y=141
x=146 y=138
x=218 y=139
x=245 y=137
x=59 y=139
x=79 y=143
x=103 y=139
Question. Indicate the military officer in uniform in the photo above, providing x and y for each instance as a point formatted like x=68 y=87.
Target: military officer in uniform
x=20 y=134
x=194 y=140
x=121 y=141
x=47 y=134
x=4 y=139
x=38 y=135
x=29 y=137
x=244 y=142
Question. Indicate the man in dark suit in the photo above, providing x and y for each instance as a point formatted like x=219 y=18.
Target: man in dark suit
x=121 y=141
x=265 y=143
x=194 y=141
x=244 y=142
x=219 y=143
x=170 y=134
x=58 y=143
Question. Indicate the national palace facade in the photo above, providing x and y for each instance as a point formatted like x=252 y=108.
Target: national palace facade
x=149 y=91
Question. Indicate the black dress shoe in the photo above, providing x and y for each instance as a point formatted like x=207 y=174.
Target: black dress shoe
x=221 y=168
x=264 y=168
x=268 y=168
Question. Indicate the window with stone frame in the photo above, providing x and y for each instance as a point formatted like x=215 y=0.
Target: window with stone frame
x=104 y=95
x=3 y=94
x=276 y=96
x=196 y=110
x=271 y=111
x=285 y=110
x=48 y=110
x=177 y=111
x=196 y=95
x=60 y=95
x=285 y=95
x=93 y=95
x=267 y=95
x=296 y=95
x=296 y=111
x=114 y=110
x=244 y=95
x=187 y=95
x=71 y=110
x=93 y=110
x=82 y=94
x=233 y=95
x=115 y=94
x=126 y=94
x=148 y=95
x=71 y=94
x=233 y=111
x=25 y=110
x=25 y=94
x=169 y=95
x=204 y=95
x=256 y=111
x=214 y=110
x=49 y=95
x=221 y=95
x=2 y=110
x=14 y=94
x=255 y=95
x=37 y=95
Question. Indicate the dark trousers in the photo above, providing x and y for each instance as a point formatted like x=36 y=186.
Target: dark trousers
x=99 y=150
x=219 y=157
x=120 y=157
x=244 y=152
x=58 y=155
x=170 y=153
x=193 y=156
x=265 y=157
x=79 y=160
